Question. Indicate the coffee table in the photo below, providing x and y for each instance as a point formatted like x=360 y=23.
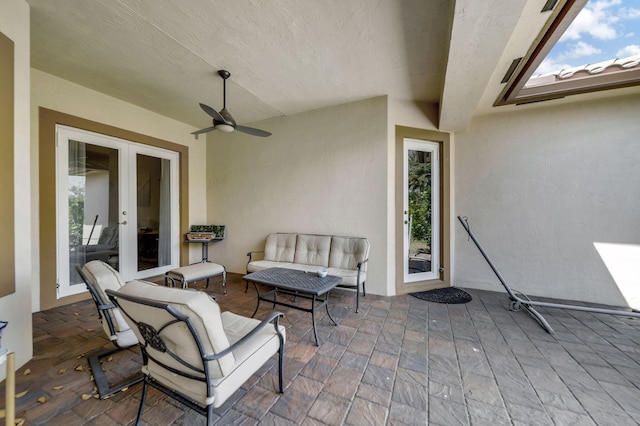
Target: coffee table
x=306 y=285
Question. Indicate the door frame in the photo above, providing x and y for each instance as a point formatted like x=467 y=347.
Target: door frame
x=47 y=197
x=127 y=204
x=444 y=140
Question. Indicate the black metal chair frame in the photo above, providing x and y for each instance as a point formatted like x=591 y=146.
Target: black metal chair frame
x=154 y=339
x=105 y=389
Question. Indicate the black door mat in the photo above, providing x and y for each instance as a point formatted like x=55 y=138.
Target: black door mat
x=449 y=295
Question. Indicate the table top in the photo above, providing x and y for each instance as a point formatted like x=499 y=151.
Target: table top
x=294 y=280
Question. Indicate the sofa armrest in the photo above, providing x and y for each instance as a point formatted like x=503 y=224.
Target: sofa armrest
x=360 y=265
x=251 y=256
x=252 y=253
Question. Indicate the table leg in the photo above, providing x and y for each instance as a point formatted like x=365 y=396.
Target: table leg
x=205 y=252
x=275 y=297
x=313 y=318
x=258 y=302
x=327 y=305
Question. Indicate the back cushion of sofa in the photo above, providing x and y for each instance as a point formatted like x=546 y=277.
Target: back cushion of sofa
x=313 y=249
x=280 y=247
x=347 y=252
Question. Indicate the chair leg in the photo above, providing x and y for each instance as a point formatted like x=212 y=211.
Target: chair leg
x=280 y=356
x=224 y=280
x=142 y=398
x=357 y=298
x=210 y=419
x=105 y=390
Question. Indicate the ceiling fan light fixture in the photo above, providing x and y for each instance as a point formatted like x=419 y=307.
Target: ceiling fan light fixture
x=224 y=128
x=223 y=120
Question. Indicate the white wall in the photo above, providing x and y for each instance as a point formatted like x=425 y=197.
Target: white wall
x=64 y=96
x=540 y=188
x=15 y=308
x=322 y=171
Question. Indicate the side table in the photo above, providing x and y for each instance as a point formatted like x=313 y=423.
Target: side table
x=10 y=385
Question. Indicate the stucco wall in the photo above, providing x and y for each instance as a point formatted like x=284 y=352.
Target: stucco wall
x=541 y=188
x=15 y=308
x=322 y=171
x=64 y=96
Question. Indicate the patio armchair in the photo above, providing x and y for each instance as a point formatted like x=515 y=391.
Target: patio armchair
x=191 y=351
x=98 y=277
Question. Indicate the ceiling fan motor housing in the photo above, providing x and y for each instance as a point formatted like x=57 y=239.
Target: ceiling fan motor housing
x=227 y=118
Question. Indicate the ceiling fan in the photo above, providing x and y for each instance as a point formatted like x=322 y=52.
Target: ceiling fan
x=223 y=120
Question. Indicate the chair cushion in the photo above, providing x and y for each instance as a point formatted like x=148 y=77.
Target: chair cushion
x=249 y=357
x=103 y=277
x=204 y=313
x=280 y=247
x=347 y=252
x=312 y=250
x=259 y=265
x=197 y=271
x=349 y=276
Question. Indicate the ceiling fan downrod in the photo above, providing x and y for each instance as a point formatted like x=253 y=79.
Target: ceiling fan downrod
x=225 y=75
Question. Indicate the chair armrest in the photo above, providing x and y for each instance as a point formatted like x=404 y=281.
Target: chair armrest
x=360 y=264
x=274 y=316
x=104 y=307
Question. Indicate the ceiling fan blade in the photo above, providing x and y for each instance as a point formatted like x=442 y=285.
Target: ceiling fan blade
x=212 y=112
x=208 y=129
x=252 y=131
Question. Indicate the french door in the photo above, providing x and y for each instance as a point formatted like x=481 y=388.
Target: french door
x=421 y=210
x=116 y=201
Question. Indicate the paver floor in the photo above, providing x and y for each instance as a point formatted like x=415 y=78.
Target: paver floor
x=399 y=361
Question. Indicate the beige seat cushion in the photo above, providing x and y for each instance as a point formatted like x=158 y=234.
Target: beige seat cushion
x=103 y=277
x=259 y=265
x=197 y=271
x=249 y=357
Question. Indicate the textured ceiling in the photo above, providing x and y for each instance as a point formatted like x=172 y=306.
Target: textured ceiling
x=284 y=56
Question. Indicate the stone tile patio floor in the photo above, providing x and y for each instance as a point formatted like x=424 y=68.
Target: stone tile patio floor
x=400 y=360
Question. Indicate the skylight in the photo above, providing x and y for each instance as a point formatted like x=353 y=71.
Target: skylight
x=603 y=31
x=586 y=46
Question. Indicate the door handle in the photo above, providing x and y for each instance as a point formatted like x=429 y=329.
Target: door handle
x=122 y=223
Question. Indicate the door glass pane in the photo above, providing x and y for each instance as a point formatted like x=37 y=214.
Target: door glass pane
x=154 y=212
x=93 y=206
x=419 y=195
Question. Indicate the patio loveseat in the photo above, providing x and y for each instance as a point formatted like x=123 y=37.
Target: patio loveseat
x=345 y=257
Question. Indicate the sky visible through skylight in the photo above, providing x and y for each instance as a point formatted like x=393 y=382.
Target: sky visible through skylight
x=603 y=30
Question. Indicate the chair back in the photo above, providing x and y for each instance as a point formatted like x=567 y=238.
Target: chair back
x=181 y=335
x=99 y=277
x=109 y=236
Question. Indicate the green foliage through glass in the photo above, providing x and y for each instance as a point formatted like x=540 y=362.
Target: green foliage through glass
x=419 y=176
